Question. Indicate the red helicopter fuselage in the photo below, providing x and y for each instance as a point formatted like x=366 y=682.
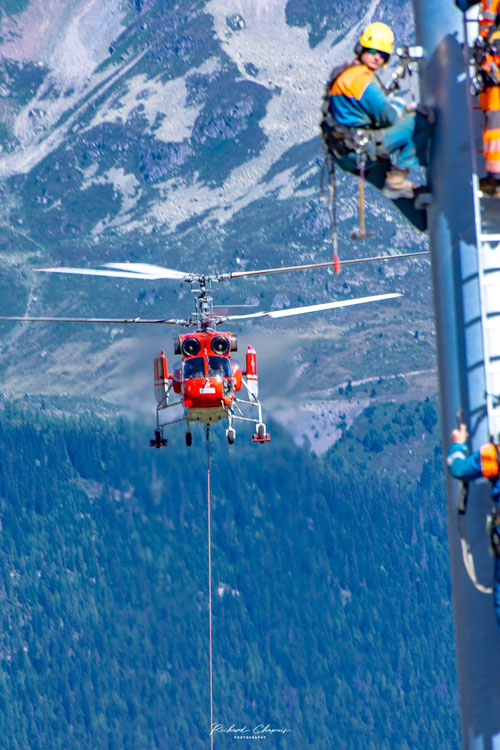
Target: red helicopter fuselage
x=206 y=378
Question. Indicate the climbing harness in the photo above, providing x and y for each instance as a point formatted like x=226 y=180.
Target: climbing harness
x=340 y=139
x=486 y=56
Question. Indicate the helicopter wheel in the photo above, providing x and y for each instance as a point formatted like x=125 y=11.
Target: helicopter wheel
x=231 y=435
x=158 y=441
x=261 y=431
x=189 y=438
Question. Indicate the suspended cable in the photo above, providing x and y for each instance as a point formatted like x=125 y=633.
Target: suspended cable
x=210 y=592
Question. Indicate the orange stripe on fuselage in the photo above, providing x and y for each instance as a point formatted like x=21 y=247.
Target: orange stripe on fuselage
x=353 y=82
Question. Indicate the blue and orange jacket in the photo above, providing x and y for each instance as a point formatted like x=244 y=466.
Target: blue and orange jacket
x=465 y=465
x=358 y=101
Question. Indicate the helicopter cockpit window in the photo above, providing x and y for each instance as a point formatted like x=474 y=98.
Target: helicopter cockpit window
x=194 y=368
x=219 y=366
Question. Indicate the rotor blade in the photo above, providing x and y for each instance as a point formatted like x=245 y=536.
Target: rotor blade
x=315 y=308
x=96 y=272
x=286 y=269
x=171 y=321
x=159 y=272
x=123 y=271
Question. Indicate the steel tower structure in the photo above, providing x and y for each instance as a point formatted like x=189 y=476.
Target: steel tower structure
x=464 y=233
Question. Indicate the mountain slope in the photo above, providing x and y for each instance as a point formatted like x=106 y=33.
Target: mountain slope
x=183 y=134
x=332 y=615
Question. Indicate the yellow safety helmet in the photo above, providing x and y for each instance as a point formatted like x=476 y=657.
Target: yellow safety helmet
x=378 y=36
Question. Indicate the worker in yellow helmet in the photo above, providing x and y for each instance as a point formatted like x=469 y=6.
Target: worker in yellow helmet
x=378 y=36
x=358 y=110
x=487 y=86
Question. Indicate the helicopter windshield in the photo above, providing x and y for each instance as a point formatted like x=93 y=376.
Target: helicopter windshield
x=219 y=366
x=194 y=368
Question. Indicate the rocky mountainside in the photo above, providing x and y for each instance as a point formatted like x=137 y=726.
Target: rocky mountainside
x=186 y=134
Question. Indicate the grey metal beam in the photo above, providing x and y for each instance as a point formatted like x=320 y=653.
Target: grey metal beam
x=453 y=243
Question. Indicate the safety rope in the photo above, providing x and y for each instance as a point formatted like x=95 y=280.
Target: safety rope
x=333 y=200
x=469 y=559
x=361 y=197
x=329 y=167
x=210 y=593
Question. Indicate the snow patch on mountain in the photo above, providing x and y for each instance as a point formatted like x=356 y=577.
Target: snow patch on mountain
x=70 y=38
x=126 y=184
x=280 y=58
x=162 y=103
x=37 y=143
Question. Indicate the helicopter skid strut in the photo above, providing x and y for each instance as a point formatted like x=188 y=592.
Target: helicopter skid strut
x=259 y=436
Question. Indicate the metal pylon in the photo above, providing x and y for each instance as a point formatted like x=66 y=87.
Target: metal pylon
x=487 y=228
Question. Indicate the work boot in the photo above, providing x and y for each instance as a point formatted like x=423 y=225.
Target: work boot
x=397 y=185
x=490 y=186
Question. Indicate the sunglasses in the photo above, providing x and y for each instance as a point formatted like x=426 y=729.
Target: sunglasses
x=384 y=55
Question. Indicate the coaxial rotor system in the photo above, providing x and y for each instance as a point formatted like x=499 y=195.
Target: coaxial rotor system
x=207 y=316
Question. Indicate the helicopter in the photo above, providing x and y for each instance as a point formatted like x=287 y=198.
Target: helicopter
x=207 y=380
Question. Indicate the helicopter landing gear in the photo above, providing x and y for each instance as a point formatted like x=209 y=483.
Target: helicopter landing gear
x=158 y=441
x=231 y=435
x=261 y=436
x=189 y=438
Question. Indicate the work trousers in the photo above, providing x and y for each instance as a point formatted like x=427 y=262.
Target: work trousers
x=407 y=141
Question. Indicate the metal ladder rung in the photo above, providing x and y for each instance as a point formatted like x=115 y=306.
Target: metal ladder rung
x=494 y=344
x=491 y=276
x=495 y=383
x=488 y=262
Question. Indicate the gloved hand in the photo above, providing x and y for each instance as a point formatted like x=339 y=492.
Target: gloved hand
x=460 y=435
x=426 y=112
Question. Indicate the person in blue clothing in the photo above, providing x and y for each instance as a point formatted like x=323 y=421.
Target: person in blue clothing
x=467 y=466
x=362 y=124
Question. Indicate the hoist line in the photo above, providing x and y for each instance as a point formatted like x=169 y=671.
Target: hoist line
x=333 y=202
x=210 y=592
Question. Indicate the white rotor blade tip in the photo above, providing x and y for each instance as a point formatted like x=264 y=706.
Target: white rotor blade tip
x=159 y=272
x=316 y=308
